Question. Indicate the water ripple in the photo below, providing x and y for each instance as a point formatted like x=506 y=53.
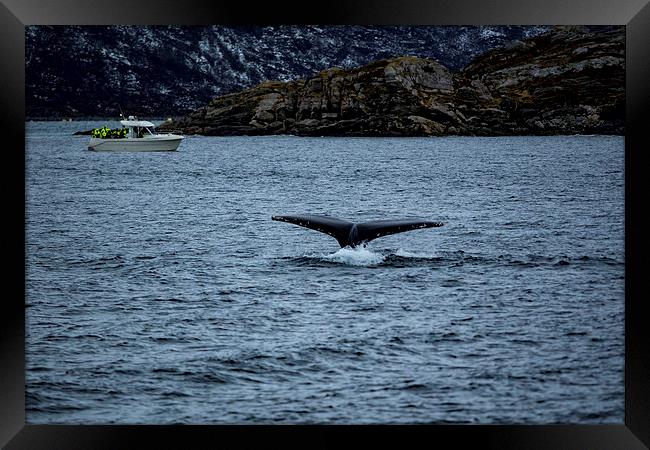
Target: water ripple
x=159 y=290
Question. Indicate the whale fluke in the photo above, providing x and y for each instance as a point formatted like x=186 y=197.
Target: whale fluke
x=354 y=234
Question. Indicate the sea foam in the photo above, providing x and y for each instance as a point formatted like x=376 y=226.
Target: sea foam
x=358 y=256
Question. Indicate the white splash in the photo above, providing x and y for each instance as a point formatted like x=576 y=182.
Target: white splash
x=358 y=256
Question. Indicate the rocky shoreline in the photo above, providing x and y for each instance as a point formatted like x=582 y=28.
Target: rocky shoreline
x=568 y=81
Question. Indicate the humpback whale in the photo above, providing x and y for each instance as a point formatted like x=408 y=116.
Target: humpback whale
x=355 y=234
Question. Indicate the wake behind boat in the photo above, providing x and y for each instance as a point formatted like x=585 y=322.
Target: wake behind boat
x=135 y=136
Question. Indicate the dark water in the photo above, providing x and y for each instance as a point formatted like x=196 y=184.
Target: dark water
x=159 y=290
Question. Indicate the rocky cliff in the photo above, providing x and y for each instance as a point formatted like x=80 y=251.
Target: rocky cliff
x=80 y=71
x=568 y=81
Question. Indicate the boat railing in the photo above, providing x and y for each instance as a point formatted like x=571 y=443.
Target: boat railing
x=166 y=131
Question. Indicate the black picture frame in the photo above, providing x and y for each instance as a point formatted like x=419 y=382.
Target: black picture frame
x=633 y=14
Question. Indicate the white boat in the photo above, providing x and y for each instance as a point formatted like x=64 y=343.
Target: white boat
x=141 y=137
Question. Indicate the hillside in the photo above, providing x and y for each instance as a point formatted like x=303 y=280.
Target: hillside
x=155 y=71
x=570 y=80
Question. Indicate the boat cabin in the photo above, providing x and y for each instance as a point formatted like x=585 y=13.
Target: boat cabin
x=138 y=128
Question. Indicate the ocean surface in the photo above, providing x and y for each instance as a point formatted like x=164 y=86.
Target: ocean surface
x=159 y=291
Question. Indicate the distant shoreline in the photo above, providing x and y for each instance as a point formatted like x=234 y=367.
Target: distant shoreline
x=88 y=119
x=163 y=119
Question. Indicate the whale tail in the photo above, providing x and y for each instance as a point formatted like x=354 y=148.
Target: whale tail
x=352 y=234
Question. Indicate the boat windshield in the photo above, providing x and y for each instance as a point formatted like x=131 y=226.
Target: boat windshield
x=139 y=132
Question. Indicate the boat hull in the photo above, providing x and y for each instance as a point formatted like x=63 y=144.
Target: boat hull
x=155 y=144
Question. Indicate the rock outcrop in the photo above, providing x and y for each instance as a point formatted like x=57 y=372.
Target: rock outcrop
x=162 y=71
x=568 y=81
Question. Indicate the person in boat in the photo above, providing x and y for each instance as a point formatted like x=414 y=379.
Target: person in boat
x=109 y=133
